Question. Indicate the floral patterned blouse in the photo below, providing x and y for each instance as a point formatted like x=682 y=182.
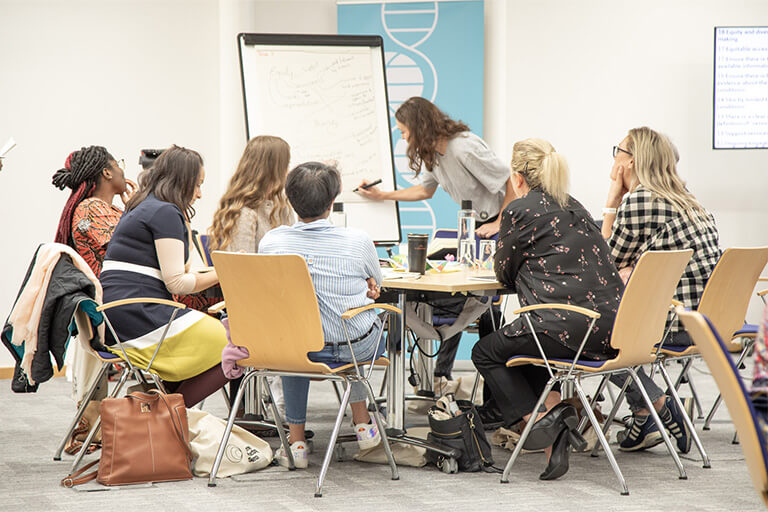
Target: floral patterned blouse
x=92 y=225
x=550 y=254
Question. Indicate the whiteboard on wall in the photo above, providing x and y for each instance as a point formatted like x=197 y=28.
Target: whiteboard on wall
x=326 y=95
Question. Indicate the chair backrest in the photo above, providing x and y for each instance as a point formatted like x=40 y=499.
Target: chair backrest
x=726 y=296
x=643 y=309
x=203 y=243
x=272 y=309
x=715 y=353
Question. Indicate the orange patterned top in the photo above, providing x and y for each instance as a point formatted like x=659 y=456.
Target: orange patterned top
x=92 y=225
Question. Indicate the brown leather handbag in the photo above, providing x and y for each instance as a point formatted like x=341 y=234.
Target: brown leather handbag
x=145 y=438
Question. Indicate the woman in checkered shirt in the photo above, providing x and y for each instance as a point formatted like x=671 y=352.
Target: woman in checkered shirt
x=648 y=208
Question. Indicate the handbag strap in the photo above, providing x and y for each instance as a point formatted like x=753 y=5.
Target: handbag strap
x=72 y=480
x=173 y=414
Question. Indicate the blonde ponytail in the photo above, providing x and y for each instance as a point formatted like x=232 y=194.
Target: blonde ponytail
x=542 y=167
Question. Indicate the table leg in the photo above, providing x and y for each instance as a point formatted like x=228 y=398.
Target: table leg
x=425 y=366
x=396 y=376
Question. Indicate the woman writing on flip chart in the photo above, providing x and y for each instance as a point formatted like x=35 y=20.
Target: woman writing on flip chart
x=453 y=157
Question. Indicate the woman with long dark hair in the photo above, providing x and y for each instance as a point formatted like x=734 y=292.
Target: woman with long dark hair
x=444 y=152
x=148 y=256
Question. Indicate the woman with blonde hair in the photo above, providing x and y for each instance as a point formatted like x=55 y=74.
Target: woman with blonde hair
x=550 y=251
x=649 y=208
x=255 y=201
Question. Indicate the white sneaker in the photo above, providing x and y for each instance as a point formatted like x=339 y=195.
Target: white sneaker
x=367 y=435
x=300 y=455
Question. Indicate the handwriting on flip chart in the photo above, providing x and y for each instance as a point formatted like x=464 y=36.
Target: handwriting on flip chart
x=323 y=103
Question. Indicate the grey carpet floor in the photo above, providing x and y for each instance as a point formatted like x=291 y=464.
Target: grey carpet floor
x=32 y=425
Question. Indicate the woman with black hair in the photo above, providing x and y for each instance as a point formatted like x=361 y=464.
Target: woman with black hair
x=89 y=217
x=148 y=256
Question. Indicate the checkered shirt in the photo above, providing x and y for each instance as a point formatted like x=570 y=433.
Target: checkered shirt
x=644 y=223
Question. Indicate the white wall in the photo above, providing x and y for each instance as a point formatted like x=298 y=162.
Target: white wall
x=125 y=75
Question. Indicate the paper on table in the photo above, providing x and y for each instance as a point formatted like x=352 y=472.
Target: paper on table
x=7 y=147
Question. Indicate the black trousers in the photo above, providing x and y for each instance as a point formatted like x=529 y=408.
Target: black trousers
x=515 y=390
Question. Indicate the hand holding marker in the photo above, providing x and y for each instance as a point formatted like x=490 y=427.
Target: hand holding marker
x=368 y=185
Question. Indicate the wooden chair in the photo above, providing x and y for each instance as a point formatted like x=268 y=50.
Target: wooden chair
x=717 y=355
x=273 y=312
x=638 y=326
x=726 y=299
x=87 y=315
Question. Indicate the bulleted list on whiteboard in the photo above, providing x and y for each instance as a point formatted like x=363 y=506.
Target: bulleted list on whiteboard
x=741 y=87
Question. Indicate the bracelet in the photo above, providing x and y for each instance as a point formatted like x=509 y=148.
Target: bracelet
x=609 y=211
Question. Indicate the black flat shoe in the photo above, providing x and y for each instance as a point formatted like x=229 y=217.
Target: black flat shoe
x=545 y=431
x=558 y=461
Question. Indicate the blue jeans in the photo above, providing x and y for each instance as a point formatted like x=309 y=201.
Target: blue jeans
x=296 y=389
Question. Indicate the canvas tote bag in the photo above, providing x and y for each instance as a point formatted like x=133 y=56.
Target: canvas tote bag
x=244 y=453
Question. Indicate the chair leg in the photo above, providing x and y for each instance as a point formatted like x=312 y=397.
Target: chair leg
x=279 y=425
x=228 y=430
x=712 y=412
x=384 y=382
x=526 y=430
x=601 y=437
x=696 y=401
x=81 y=410
x=662 y=430
x=704 y=457
x=609 y=419
x=332 y=440
x=583 y=422
x=719 y=398
x=382 y=431
x=475 y=387
x=97 y=423
x=226 y=398
x=683 y=372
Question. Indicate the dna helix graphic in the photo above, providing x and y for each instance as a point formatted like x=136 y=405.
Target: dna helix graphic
x=410 y=73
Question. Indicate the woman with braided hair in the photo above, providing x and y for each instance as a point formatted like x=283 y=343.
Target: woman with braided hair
x=89 y=217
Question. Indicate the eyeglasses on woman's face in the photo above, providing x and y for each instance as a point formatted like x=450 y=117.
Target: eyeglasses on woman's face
x=617 y=150
x=121 y=164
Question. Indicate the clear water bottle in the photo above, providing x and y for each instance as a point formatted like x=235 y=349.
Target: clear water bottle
x=338 y=217
x=466 y=234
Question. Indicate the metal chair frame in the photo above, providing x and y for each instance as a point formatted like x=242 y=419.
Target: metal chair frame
x=299 y=275
x=666 y=267
x=131 y=369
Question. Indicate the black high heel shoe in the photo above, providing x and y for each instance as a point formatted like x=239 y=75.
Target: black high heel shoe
x=558 y=461
x=545 y=431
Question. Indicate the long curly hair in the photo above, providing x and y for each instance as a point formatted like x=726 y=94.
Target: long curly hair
x=260 y=177
x=427 y=124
